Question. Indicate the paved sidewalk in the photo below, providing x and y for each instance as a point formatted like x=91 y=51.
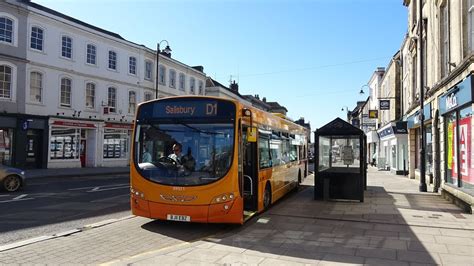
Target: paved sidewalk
x=396 y=225
x=69 y=172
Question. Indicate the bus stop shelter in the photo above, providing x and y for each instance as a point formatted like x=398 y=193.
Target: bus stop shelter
x=340 y=163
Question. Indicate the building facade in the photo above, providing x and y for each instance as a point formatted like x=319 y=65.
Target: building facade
x=80 y=88
x=442 y=72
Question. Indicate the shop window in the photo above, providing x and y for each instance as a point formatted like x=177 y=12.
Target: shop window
x=64 y=144
x=6 y=140
x=116 y=144
x=429 y=149
x=460 y=157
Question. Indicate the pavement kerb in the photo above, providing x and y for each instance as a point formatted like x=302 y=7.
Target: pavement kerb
x=62 y=234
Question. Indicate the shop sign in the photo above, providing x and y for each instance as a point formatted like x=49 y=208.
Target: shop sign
x=73 y=124
x=373 y=113
x=458 y=95
x=384 y=104
x=414 y=120
x=121 y=126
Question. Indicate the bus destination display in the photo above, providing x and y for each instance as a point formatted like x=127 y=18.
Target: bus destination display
x=212 y=109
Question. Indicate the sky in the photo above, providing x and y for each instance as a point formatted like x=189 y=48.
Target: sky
x=312 y=56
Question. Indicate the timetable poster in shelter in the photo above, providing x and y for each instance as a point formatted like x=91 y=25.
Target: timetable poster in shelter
x=465 y=148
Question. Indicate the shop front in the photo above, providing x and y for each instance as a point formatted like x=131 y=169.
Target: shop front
x=414 y=130
x=116 y=145
x=23 y=141
x=394 y=147
x=455 y=106
x=72 y=143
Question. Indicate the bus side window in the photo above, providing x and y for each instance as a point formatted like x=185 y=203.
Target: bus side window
x=264 y=152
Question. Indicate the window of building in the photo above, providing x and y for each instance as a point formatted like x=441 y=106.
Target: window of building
x=6 y=151
x=36 y=87
x=6 y=30
x=64 y=143
x=5 y=82
x=444 y=34
x=459 y=155
x=112 y=60
x=172 y=78
x=116 y=144
x=192 y=84
x=91 y=54
x=162 y=75
x=132 y=102
x=36 y=40
x=66 y=85
x=132 y=65
x=201 y=87
x=90 y=95
x=66 y=47
x=112 y=99
x=182 y=82
x=148 y=96
x=148 y=70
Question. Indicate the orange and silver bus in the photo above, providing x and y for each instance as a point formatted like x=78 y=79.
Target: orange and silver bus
x=212 y=160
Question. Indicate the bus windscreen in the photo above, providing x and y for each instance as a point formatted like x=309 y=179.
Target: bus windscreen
x=183 y=142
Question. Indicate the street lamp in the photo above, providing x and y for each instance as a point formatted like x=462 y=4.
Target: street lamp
x=361 y=92
x=157 y=74
x=422 y=187
x=347 y=111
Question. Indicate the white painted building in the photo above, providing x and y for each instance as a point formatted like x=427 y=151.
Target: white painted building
x=88 y=82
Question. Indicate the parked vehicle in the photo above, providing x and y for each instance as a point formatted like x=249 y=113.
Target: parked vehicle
x=11 y=179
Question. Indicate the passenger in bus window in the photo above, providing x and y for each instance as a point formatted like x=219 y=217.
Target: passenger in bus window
x=146 y=156
x=188 y=160
x=176 y=155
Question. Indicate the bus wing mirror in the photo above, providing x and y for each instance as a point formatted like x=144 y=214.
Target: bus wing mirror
x=251 y=134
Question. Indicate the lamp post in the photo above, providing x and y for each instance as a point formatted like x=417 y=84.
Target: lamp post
x=157 y=74
x=422 y=186
x=347 y=112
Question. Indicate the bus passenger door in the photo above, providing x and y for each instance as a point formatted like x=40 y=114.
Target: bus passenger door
x=250 y=160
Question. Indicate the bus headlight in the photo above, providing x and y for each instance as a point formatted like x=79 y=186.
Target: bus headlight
x=137 y=193
x=223 y=198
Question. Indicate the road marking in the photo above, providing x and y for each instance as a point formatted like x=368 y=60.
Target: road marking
x=20 y=197
x=98 y=189
x=13 y=200
x=85 y=188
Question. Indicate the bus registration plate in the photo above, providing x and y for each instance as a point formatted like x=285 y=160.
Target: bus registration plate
x=180 y=218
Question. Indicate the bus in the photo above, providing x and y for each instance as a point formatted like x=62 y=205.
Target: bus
x=234 y=160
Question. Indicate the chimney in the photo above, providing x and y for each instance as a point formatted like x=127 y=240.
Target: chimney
x=264 y=99
x=256 y=96
x=199 y=68
x=234 y=86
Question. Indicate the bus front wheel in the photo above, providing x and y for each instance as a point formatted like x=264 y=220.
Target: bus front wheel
x=267 y=197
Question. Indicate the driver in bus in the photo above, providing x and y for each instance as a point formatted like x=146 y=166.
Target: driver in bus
x=176 y=155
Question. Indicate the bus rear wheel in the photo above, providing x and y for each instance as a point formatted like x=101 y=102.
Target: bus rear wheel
x=267 y=197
